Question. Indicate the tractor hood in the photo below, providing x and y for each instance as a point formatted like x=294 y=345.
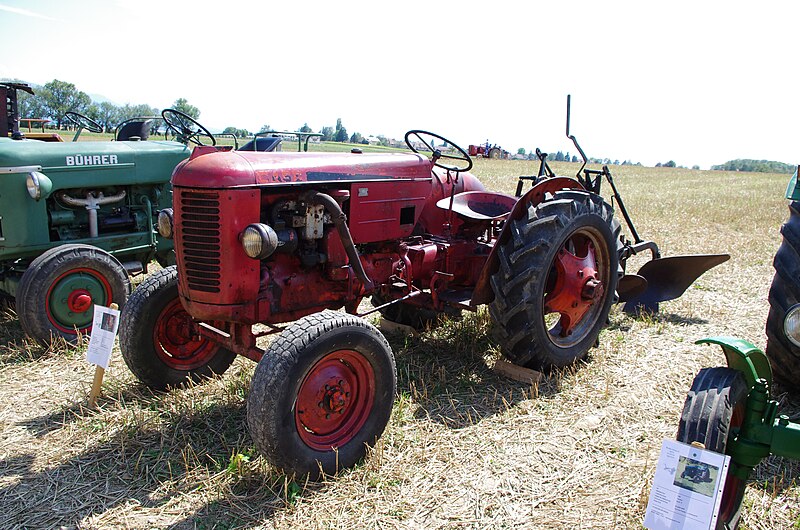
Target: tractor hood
x=94 y=164
x=211 y=167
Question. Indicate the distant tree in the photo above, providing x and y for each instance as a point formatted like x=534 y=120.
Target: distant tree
x=356 y=138
x=559 y=157
x=671 y=163
x=264 y=128
x=382 y=140
x=341 y=134
x=107 y=115
x=182 y=105
x=338 y=124
x=305 y=129
x=521 y=151
x=695 y=167
x=229 y=130
x=574 y=158
x=327 y=134
x=60 y=97
x=658 y=164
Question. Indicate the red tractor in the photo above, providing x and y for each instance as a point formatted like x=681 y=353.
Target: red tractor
x=267 y=239
x=488 y=150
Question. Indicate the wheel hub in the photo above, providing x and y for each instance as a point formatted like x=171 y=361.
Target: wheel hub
x=79 y=301
x=576 y=287
x=334 y=400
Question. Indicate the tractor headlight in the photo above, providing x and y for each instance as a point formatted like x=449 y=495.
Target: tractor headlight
x=791 y=324
x=38 y=185
x=166 y=223
x=259 y=240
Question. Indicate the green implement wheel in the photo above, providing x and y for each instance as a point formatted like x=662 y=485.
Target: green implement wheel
x=58 y=291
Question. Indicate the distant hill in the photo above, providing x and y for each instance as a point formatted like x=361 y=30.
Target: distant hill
x=758 y=166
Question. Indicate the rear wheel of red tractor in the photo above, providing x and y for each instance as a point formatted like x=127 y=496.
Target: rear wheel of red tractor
x=556 y=280
x=714 y=407
x=783 y=354
x=322 y=393
x=494 y=153
x=157 y=338
x=59 y=289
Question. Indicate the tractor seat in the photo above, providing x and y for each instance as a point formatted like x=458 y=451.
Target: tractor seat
x=134 y=129
x=480 y=205
x=263 y=144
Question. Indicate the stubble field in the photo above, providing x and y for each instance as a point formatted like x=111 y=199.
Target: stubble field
x=465 y=448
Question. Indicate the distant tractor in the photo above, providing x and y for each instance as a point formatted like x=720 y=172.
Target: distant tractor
x=488 y=150
x=273 y=243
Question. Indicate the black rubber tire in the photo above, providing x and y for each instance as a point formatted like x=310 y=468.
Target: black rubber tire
x=714 y=406
x=783 y=355
x=47 y=270
x=494 y=153
x=147 y=355
x=521 y=281
x=273 y=413
x=416 y=317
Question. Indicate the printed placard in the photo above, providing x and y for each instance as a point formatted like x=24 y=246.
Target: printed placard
x=687 y=488
x=104 y=329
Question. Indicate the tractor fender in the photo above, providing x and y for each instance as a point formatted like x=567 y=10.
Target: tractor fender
x=483 y=293
x=744 y=357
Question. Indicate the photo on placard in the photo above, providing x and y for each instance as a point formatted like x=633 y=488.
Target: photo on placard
x=108 y=322
x=696 y=476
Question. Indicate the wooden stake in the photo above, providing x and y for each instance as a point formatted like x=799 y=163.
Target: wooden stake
x=99 y=372
x=517 y=373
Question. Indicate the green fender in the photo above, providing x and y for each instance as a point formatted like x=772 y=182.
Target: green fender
x=793 y=190
x=744 y=357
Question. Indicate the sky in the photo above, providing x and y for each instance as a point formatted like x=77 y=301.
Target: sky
x=698 y=82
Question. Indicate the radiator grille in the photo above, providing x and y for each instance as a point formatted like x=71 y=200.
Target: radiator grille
x=200 y=235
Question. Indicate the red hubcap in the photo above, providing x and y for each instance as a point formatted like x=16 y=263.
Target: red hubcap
x=79 y=301
x=576 y=287
x=334 y=400
x=177 y=344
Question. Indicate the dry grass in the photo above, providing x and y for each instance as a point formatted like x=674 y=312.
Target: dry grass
x=464 y=449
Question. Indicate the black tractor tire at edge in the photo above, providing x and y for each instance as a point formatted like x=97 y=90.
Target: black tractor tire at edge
x=520 y=284
x=146 y=355
x=714 y=406
x=783 y=355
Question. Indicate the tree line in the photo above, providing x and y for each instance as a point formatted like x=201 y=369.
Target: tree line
x=54 y=99
x=758 y=166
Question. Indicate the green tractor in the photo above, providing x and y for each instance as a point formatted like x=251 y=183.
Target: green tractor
x=729 y=409
x=78 y=218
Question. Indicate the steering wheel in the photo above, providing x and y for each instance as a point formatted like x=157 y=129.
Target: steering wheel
x=429 y=140
x=185 y=127
x=83 y=121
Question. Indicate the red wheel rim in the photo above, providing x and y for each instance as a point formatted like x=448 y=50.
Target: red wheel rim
x=576 y=287
x=176 y=342
x=734 y=486
x=334 y=400
x=67 y=303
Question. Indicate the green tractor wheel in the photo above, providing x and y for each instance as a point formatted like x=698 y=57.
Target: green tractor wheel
x=59 y=289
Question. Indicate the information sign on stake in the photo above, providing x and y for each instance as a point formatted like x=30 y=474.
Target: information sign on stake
x=687 y=488
x=104 y=330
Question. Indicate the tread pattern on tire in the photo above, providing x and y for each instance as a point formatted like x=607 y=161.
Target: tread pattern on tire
x=144 y=364
x=522 y=267
x=783 y=294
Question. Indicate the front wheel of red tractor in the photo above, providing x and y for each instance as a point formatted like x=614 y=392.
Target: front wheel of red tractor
x=322 y=393
x=556 y=280
x=714 y=407
x=157 y=340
